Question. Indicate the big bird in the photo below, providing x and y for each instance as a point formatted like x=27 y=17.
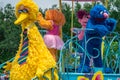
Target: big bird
x=33 y=59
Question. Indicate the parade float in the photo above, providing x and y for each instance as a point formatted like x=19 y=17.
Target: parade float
x=69 y=58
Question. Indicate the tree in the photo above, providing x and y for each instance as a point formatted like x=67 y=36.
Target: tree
x=66 y=9
x=1 y=28
x=9 y=45
x=114 y=7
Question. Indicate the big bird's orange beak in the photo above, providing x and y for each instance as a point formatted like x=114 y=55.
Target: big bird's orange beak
x=21 y=18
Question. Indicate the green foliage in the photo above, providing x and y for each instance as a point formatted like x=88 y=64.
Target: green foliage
x=11 y=33
x=1 y=34
x=77 y=6
x=66 y=9
x=87 y=6
x=115 y=12
x=111 y=59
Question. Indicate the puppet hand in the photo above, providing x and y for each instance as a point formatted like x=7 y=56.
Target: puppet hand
x=39 y=73
x=111 y=22
x=8 y=66
x=40 y=14
x=35 y=78
x=51 y=22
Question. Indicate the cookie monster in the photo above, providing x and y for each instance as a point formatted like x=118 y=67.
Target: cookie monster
x=101 y=25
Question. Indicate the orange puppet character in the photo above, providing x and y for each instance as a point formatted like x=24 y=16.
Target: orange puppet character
x=53 y=22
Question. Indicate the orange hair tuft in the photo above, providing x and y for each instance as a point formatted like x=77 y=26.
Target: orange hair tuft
x=55 y=15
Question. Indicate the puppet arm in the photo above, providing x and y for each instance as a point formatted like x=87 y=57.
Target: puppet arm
x=47 y=24
x=8 y=66
x=80 y=36
x=41 y=70
x=110 y=24
x=101 y=30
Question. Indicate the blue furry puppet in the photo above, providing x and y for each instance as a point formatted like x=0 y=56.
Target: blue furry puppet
x=101 y=25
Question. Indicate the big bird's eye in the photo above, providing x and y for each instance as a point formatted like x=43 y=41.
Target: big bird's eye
x=19 y=11
x=101 y=12
x=25 y=10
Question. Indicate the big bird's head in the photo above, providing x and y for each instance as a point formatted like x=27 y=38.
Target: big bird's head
x=26 y=12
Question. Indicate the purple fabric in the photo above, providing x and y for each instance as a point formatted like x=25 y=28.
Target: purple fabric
x=54 y=31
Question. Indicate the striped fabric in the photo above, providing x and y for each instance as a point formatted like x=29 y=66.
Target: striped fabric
x=24 y=51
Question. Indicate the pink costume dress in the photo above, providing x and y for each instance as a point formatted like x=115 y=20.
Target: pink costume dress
x=52 y=38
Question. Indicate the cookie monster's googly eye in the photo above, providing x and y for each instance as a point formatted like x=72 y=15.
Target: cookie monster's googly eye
x=20 y=11
x=101 y=12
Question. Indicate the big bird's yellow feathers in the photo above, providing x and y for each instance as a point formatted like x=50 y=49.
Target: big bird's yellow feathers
x=39 y=59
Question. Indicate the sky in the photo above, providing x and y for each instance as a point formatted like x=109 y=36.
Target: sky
x=41 y=3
